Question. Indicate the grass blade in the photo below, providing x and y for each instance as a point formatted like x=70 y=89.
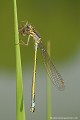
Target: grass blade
x=20 y=112
x=48 y=89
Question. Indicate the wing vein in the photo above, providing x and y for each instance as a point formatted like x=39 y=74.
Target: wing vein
x=54 y=75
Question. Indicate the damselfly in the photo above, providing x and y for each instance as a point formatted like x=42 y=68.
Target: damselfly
x=54 y=75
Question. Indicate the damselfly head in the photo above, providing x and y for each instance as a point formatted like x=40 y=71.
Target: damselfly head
x=21 y=30
x=26 y=29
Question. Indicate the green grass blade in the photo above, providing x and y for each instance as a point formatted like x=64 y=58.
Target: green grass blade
x=48 y=90
x=20 y=111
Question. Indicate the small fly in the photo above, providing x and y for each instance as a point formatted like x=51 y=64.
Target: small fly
x=54 y=75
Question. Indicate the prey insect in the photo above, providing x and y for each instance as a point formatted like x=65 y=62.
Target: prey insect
x=54 y=75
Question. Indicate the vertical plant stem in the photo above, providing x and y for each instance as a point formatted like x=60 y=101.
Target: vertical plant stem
x=20 y=112
x=48 y=89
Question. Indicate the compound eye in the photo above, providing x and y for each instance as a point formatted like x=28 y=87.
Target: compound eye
x=23 y=31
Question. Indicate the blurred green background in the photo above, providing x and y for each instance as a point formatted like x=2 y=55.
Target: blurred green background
x=59 y=22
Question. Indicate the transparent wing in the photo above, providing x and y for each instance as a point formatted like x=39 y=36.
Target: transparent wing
x=54 y=75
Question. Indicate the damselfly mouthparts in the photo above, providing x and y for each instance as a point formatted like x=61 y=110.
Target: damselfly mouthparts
x=54 y=75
